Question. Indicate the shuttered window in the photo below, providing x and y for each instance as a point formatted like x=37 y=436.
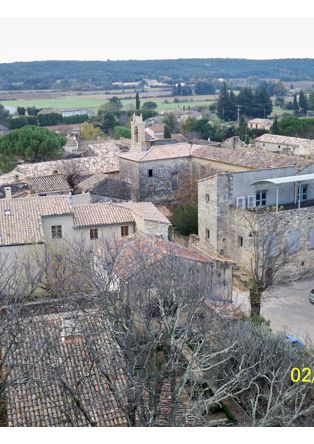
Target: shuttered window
x=293 y=240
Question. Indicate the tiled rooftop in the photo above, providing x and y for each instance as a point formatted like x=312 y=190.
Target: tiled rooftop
x=42 y=184
x=101 y=214
x=158 y=152
x=261 y=121
x=272 y=138
x=242 y=156
x=138 y=247
x=42 y=400
x=20 y=219
x=146 y=210
x=250 y=157
x=47 y=368
x=85 y=166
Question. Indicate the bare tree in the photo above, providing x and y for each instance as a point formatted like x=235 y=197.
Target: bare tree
x=140 y=347
x=269 y=254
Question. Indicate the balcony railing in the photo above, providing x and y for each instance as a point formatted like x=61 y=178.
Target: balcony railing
x=283 y=207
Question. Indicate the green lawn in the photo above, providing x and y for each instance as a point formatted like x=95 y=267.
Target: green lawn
x=279 y=111
x=69 y=102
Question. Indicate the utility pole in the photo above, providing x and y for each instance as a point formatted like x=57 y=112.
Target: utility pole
x=238 y=108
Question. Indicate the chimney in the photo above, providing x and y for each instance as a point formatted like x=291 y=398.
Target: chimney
x=8 y=193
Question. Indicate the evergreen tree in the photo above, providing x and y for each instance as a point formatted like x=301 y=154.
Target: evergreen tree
x=302 y=103
x=243 y=129
x=275 y=126
x=232 y=107
x=246 y=100
x=263 y=103
x=310 y=101
x=295 y=105
x=223 y=102
x=137 y=102
x=21 y=110
x=4 y=115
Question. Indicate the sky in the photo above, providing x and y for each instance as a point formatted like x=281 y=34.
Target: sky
x=120 y=38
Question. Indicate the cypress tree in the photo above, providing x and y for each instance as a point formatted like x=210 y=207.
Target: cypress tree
x=303 y=103
x=295 y=105
x=137 y=102
x=275 y=126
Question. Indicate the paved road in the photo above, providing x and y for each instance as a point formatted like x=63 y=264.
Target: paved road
x=288 y=308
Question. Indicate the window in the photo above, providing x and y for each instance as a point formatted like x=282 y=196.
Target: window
x=150 y=173
x=175 y=181
x=240 y=241
x=93 y=233
x=124 y=231
x=207 y=198
x=56 y=232
x=293 y=240
x=207 y=234
x=261 y=199
x=302 y=192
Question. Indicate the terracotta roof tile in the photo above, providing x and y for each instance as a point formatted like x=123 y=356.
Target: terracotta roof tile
x=158 y=152
x=273 y=138
x=20 y=218
x=56 y=182
x=101 y=214
x=147 y=210
x=250 y=157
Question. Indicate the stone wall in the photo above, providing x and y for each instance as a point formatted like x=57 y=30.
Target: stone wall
x=129 y=172
x=170 y=181
x=280 y=224
x=113 y=188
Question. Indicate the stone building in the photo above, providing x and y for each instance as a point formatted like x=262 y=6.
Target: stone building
x=27 y=225
x=138 y=133
x=261 y=124
x=168 y=173
x=285 y=144
x=234 y=206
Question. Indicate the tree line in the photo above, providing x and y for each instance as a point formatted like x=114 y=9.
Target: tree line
x=247 y=103
x=80 y=75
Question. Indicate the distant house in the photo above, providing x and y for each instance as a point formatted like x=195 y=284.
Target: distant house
x=260 y=124
x=155 y=132
x=76 y=112
x=285 y=144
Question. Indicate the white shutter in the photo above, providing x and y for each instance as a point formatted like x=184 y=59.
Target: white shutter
x=251 y=201
x=241 y=202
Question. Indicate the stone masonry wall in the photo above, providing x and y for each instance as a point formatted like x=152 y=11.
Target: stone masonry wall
x=160 y=187
x=300 y=263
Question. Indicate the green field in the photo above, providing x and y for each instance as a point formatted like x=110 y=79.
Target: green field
x=94 y=102
x=279 y=111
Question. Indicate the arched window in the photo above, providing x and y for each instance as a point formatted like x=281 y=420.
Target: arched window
x=136 y=134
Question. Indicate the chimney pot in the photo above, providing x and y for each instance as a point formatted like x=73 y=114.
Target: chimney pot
x=8 y=193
